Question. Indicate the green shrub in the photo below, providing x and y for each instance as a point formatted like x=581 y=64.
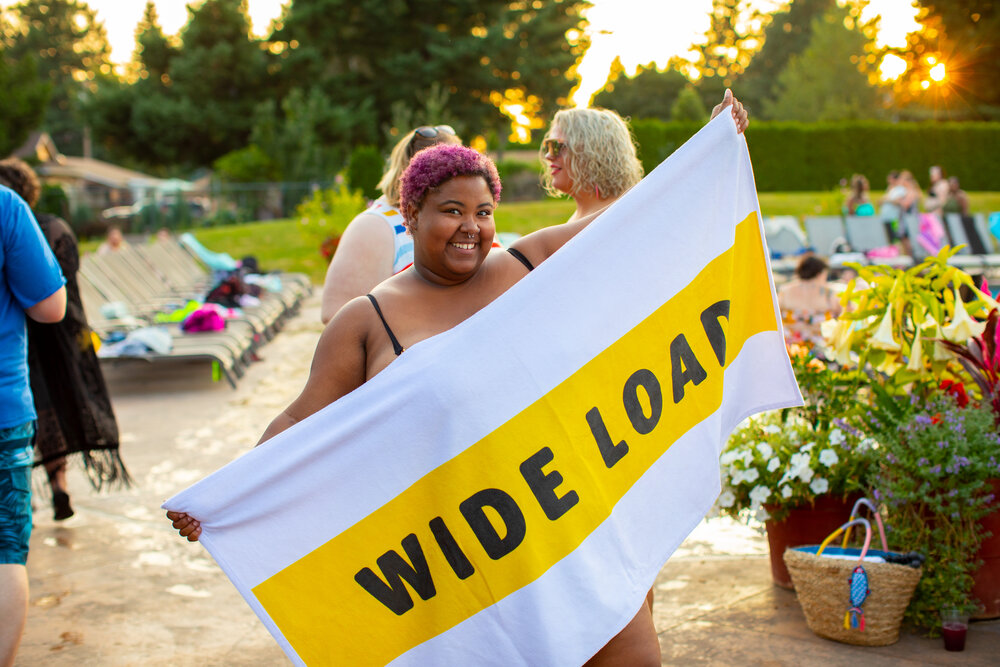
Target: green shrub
x=364 y=170
x=332 y=208
x=53 y=200
x=795 y=157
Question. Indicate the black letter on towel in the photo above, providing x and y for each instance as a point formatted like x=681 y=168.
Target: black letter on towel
x=449 y=547
x=472 y=509
x=633 y=408
x=395 y=569
x=685 y=366
x=610 y=452
x=713 y=328
x=544 y=486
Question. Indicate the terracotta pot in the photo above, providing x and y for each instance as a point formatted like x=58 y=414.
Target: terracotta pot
x=808 y=524
x=986 y=588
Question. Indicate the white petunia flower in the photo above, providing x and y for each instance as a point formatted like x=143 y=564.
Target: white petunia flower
x=764 y=449
x=786 y=492
x=726 y=499
x=836 y=437
x=735 y=476
x=751 y=475
x=828 y=457
x=748 y=457
x=819 y=485
x=805 y=474
x=771 y=429
x=729 y=457
x=797 y=462
x=760 y=494
x=773 y=464
x=808 y=446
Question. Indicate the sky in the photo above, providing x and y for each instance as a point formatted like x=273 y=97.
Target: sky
x=639 y=31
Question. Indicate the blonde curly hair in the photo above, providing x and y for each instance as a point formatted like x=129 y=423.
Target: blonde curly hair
x=601 y=153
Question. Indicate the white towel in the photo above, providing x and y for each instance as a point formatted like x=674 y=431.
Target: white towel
x=474 y=503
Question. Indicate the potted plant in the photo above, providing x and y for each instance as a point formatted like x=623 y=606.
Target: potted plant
x=935 y=427
x=797 y=471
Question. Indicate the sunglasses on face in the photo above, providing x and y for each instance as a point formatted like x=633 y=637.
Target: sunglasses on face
x=553 y=147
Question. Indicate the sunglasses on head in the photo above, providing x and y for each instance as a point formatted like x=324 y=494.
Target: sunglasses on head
x=428 y=132
x=553 y=147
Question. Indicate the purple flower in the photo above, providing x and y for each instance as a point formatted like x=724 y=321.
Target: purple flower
x=923 y=461
x=922 y=419
x=936 y=470
x=878 y=496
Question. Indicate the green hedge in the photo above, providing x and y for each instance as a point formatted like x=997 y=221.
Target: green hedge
x=791 y=157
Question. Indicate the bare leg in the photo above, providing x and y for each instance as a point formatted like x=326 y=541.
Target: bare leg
x=13 y=609
x=635 y=646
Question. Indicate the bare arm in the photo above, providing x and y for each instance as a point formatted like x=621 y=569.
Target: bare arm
x=338 y=367
x=50 y=309
x=363 y=259
x=539 y=245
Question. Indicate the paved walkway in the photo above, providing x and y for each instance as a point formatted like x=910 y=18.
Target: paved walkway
x=114 y=585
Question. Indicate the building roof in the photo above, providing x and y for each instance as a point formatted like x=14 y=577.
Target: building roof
x=97 y=171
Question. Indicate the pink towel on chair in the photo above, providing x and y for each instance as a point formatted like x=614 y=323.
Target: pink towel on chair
x=203 y=319
x=932 y=235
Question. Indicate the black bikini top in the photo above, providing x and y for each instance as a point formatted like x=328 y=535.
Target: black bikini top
x=396 y=347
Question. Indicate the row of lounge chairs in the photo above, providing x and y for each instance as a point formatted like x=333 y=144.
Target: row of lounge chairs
x=864 y=240
x=130 y=294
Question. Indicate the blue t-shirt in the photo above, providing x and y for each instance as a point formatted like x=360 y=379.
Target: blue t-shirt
x=29 y=273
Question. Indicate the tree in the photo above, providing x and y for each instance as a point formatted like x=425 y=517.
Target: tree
x=688 y=107
x=787 y=34
x=962 y=34
x=734 y=33
x=154 y=51
x=650 y=93
x=827 y=80
x=189 y=104
x=72 y=51
x=25 y=99
x=378 y=52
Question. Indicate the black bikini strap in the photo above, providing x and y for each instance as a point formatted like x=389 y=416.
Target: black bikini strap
x=519 y=256
x=396 y=347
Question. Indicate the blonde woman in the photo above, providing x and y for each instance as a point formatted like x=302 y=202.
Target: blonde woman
x=375 y=244
x=590 y=155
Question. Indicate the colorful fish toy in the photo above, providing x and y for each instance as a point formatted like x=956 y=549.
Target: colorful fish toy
x=855 y=616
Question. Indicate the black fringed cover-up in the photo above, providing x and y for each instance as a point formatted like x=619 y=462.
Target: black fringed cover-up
x=71 y=398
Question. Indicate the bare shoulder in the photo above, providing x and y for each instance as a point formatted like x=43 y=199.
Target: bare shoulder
x=367 y=224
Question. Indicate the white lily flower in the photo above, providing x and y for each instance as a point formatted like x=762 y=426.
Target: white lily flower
x=883 y=339
x=916 y=362
x=940 y=352
x=819 y=485
x=828 y=457
x=773 y=464
x=837 y=334
x=962 y=327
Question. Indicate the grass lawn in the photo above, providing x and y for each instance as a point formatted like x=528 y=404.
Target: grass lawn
x=291 y=245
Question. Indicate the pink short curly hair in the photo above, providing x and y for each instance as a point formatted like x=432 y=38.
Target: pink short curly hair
x=433 y=166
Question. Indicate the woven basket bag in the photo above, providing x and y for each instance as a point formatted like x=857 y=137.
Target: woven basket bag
x=822 y=584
